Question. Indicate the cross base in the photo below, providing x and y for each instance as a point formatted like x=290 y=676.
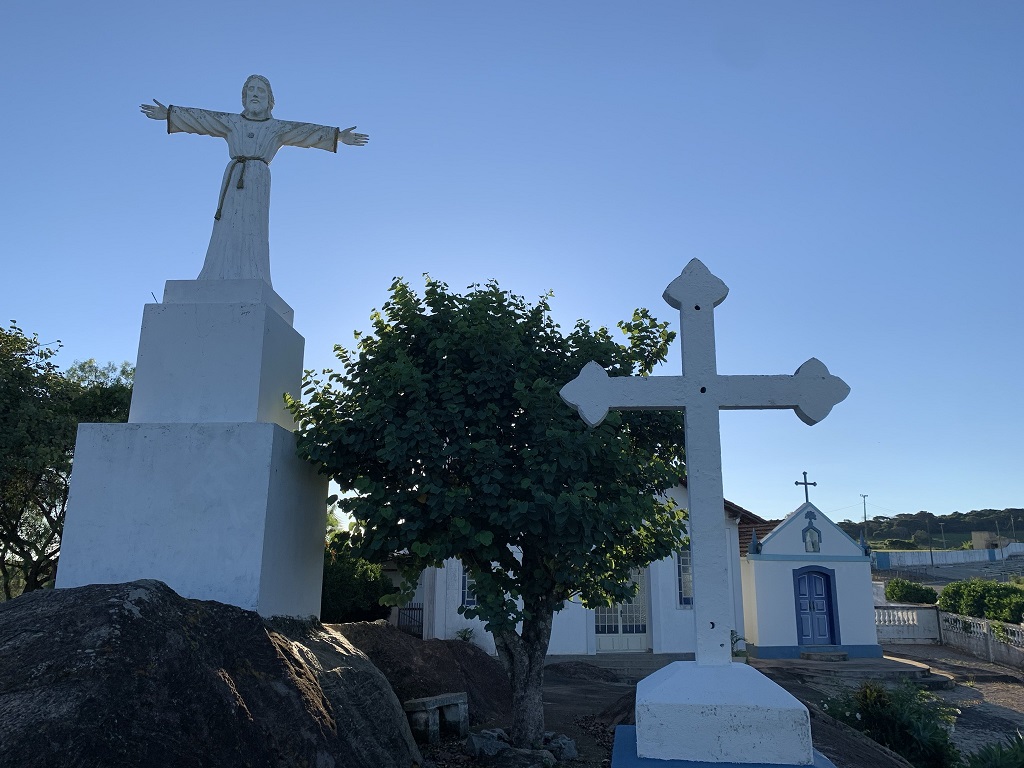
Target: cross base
x=721 y=714
x=624 y=756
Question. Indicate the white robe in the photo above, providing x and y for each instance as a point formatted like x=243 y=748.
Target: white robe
x=240 y=244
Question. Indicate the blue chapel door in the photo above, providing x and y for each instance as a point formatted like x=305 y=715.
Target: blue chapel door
x=814 y=609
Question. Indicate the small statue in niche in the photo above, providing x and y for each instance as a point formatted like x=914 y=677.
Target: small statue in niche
x=812 y=540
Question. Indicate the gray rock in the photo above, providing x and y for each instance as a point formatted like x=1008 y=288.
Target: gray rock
x=485 y=743
x=561 y=746
x=134 y=675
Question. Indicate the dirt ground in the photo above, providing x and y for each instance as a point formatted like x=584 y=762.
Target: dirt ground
x=584 y=709
x=583 y=701
x=990 y=698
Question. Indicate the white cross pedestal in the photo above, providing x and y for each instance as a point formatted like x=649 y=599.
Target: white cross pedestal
x=710 y=710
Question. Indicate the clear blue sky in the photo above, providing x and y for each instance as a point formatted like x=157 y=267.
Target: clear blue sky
x=853 y=171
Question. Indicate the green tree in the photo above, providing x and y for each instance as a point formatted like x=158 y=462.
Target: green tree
x=448 y=429
x=40 y=409
x=353 y=587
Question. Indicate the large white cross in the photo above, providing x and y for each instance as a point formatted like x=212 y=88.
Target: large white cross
x=812 y=392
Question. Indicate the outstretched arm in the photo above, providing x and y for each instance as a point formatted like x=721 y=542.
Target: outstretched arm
x=315 y=136
x=188 y=119
x=353 y=139
x=159 y=112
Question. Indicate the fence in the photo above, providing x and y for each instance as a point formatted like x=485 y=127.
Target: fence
x=919 y=558
x=410 y=619
x=991 y=640
x=912 y=624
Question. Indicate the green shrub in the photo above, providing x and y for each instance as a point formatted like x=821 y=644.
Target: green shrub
x=908 y=721
x=352 y=587
x=1005 y=602
x=1009 y=755
x=904 y=591
x=949 y=598
x=983 y=600
x=898 y=544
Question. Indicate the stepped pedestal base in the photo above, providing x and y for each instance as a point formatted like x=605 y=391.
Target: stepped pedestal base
x=218 y=511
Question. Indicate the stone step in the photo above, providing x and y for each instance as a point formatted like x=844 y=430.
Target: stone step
x=628 y=667
x=936 y=681
x=830 y=656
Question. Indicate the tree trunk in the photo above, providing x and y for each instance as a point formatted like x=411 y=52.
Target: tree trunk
x=523 y=659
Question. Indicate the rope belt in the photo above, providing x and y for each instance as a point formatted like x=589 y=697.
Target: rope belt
x=240 y=160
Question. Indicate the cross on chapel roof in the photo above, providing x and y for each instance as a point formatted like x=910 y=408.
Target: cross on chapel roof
x=807 y=497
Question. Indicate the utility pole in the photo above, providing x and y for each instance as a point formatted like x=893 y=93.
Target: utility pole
x=928 y=527
x=1013 y=528
x=864 y=498
x=942 y=527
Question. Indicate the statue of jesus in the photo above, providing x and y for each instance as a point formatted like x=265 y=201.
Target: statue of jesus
x=240 y=243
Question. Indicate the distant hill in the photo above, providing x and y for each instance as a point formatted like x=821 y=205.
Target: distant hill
x=955 y=527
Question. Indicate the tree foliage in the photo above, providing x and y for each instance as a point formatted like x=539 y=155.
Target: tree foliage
x=984 y=599
x=353 y=587
x=954 y=525
x=40 y=408
x=446 y=430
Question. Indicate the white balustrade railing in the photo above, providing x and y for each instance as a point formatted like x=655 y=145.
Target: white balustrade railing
x=991 y=640
x=925 y=624
x=1014 y=635
x=907 y=624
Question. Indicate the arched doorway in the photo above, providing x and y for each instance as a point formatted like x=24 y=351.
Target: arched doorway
x=815 y=597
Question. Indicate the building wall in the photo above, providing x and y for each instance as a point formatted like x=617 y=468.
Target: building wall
x=671 y=627
x=769 y=600
x=572 y=631
x=770 y=606
x=444 y=621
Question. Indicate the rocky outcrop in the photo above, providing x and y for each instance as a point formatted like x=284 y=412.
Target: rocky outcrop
x=134 y=675
x=418 y=668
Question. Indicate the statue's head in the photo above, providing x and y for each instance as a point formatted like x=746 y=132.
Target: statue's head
x=257 y=96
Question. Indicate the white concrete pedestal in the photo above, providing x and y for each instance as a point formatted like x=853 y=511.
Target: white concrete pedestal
x=222 y=512
x=727 y=714
x=203 y=489
x=217 y=350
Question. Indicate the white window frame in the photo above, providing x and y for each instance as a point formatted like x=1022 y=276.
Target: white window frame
x=468 y=591
x=684 y=586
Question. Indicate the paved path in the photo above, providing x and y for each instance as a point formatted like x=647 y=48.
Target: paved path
x=990 y=697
